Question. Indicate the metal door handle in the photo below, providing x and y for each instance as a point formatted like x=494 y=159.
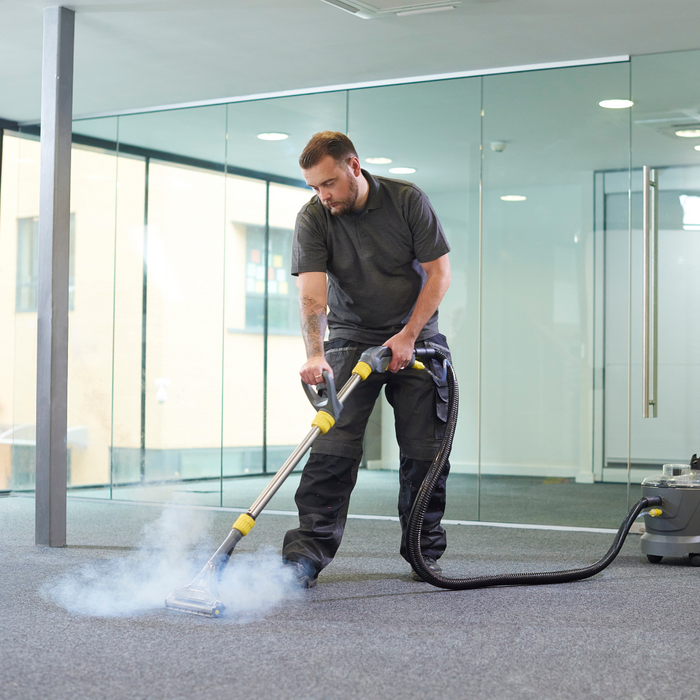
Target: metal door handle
x=650 y=230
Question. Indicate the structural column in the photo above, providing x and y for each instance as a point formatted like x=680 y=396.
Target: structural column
x=54 y=239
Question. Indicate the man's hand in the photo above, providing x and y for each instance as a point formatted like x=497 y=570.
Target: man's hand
x=312 y=370
x=401 y=345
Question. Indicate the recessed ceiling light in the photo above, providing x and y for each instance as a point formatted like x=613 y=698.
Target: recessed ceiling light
x=616 y=104
x=402 y=171
x=697 y=148
x=513 y=198
x=688 y=133
x=273 y=136
x=378 y=161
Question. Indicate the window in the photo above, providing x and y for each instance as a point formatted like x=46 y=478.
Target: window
x=28 y=263
x=283 y=315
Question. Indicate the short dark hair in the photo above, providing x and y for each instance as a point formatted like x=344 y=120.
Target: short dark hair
x=327 y=143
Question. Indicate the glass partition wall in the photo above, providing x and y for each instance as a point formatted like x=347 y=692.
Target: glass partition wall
x=184 y=336
x=430 y=133
x=545 y=138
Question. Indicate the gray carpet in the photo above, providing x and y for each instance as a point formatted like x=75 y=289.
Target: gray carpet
x=366 y=631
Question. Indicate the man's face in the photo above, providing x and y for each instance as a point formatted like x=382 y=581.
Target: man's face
x=334 y=183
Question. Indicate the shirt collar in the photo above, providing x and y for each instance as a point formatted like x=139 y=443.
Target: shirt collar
x=374 y=197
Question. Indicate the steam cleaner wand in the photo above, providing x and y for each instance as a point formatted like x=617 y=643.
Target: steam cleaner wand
x=201 y=596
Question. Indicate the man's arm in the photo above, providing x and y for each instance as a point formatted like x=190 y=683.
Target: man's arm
x=436 y=284
x=312 y=315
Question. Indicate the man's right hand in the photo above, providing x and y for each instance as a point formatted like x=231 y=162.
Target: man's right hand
x=312 y=370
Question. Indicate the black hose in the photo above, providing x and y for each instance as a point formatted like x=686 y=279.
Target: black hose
x=415 y=522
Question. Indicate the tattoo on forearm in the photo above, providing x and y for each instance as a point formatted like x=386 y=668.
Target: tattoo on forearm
x=313 y=325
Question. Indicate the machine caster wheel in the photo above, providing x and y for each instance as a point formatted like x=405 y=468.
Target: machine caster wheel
x=694 y=559
x=655 y=558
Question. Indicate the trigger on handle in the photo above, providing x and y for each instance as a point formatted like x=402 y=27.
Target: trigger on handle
x=328 y=403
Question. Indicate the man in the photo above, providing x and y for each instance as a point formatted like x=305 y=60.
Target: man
x=370 y=250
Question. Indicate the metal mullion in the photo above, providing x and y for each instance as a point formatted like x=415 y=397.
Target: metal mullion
x=480 y=311
x=266 y=322
x=114 y=315
x=144 y=326
x=223 y=312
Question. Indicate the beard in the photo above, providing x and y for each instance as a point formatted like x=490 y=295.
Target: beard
x=345 y=206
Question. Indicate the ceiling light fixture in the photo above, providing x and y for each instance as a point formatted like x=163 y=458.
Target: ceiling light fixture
x=273 y=136
x=402 y=171
x=370 y=9
x=378 y=161
x=697 y=148
x=616 y=104
x=425 y=10
x=513 y=198
x=688 y=133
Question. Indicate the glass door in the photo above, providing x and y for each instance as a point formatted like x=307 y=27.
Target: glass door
x=657 y=419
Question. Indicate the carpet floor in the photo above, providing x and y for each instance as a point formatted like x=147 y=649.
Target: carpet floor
x=87 y=621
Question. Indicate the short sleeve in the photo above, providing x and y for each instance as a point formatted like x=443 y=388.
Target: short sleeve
x=309 y=248
x=429 y=241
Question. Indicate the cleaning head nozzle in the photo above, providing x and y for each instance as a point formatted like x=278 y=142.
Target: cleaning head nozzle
x=201 y=597
x=197 y=601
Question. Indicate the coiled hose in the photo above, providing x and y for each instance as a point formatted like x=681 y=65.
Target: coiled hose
x=415 y=522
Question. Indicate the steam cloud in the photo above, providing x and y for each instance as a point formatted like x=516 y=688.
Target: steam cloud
x=172 y=551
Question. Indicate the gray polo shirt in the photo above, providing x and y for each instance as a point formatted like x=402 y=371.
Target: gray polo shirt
x=371 y=259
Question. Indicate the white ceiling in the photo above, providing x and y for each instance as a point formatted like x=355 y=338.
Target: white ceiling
x=140 y=53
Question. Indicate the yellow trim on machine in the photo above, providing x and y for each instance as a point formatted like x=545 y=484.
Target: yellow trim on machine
x=323 y=421
x=244 y=524
x=363 y=369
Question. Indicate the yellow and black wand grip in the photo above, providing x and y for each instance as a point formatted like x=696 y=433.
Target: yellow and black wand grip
x=377 y=359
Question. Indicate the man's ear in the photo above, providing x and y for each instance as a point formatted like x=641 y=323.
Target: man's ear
x=355 y=166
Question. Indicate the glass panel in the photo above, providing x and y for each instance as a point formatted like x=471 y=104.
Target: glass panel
x=545 y=137
x=244 y=341
x=19 y=211
x=297 y=119
x=169 y=347
x=666 y=133
x=265 y=412
x=433 y=128
x=93 y=200
x=289 y=413
x=128 y=320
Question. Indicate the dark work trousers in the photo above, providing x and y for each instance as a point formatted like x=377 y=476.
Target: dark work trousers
x=420 y=412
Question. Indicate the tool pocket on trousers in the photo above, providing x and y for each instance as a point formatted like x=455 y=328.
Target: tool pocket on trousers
x=439 y=343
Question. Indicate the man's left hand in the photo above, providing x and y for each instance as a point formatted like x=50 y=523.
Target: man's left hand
x=401 y=346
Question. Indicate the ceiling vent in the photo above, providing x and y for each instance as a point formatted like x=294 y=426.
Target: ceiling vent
x=668 y=123
x=383 y=8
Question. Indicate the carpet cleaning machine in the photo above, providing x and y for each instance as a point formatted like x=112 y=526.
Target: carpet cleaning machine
x=673 y=531
x=673 y=499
